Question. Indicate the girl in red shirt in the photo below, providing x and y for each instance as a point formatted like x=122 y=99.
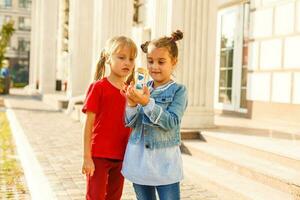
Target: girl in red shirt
x=105 y=134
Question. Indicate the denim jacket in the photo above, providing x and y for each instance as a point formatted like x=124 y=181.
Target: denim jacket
x=160 y=126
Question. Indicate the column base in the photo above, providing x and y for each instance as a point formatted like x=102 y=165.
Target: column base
x=31 y=89
x=197 y=119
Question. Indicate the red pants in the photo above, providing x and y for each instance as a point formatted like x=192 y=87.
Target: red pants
x=107 y=181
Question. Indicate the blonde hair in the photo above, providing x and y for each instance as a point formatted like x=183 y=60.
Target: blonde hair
x=113 y=45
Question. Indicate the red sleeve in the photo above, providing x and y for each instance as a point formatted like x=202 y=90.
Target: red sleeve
x=92 y=99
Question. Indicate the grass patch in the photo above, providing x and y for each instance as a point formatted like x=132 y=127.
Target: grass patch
x=10 y=170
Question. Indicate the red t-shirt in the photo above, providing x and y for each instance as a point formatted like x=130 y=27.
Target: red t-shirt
x=110 y=136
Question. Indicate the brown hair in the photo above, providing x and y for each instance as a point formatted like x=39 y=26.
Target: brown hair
x=167 y=42
x=112 y=46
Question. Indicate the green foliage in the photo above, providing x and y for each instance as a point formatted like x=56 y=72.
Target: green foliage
x=5 y=36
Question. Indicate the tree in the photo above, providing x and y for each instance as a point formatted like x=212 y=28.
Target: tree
x=5 y=36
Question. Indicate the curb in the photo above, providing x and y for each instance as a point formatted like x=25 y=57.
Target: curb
x=36 y=180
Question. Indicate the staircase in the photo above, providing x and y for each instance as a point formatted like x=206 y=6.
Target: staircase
x=244 y=163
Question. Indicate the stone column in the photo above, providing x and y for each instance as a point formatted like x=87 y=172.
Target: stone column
x=91 y=24
x=34 y=44
x=111 y=18
x=62 y=40
x=48 y=44
x=198 y=21
x=161 y=13
x=80 y=46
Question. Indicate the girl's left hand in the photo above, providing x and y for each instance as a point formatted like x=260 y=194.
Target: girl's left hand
x=138 y=97
x=123 y=92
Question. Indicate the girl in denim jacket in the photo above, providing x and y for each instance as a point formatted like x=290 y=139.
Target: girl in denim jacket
x=152 y=158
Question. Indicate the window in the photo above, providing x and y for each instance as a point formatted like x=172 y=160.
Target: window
x=24 y=23
x=23 y=45
x=24 y=3
x=227 y=47
x=7 y=18
x=232 y=56
x=5 y=3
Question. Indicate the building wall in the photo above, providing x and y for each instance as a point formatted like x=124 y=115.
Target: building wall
x=274 y=64
x=15 y=13
x=18 y=50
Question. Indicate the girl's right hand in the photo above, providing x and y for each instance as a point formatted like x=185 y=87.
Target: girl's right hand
x=88 y=167
x=138 y=97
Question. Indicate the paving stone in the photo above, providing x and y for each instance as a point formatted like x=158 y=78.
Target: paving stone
x=57 y=143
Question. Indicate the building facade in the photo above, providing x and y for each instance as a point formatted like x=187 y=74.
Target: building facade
x=19 y=11
x=274 y=64
x=236 y=56
x=257 y=69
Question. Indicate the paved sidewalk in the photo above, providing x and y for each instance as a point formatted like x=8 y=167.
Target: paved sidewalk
x=54 y=140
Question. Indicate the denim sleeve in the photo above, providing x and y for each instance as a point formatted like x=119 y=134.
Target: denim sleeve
x=131 y=115
x=149 y=107
x=171 y=117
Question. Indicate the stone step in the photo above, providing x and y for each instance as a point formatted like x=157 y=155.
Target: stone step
x=267 y=172
x=58 y=101
x=190 y=134
x=267 y=133
x=282 y=151
x=266 y=128
x=76 y=114
x=227 y=184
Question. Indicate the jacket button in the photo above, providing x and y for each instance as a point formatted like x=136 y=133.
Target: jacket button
x=147 y=146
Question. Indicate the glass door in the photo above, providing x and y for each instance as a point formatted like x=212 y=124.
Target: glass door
x=231 y=59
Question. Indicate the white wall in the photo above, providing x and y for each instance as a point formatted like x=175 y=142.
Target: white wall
x=291 y=52
x=274 y=51
x=259 y=89
x=296 y=92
